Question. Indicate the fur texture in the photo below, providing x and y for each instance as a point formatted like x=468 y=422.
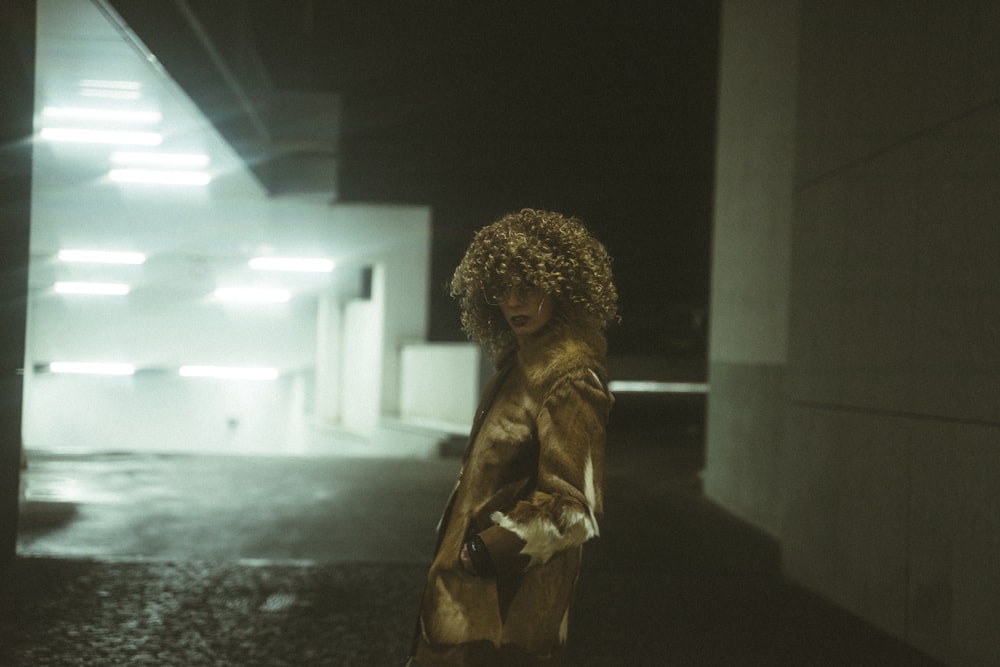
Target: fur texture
x=531 y=488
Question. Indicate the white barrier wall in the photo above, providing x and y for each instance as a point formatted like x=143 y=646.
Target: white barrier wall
x=337 y=352
x=855 y=414
x=164 y=413
x=440 y=385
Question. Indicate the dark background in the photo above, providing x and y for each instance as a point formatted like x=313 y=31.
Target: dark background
x=601 y=110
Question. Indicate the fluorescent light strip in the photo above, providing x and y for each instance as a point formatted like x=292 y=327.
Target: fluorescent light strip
x=633 y=386
x=230 y=372
x=317 y=265
x=108 y=289
x=121 y=115
x=109 y=94
x=115 y=90
x=189 y=160
x=102 y=256
x=252 y=295
x=89 y=136
x=111 y=84
x=159 y=177
x=91 y=368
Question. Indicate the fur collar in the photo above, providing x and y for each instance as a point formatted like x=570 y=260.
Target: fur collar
x=561 y=350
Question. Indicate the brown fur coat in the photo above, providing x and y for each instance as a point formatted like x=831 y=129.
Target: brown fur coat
x=530 y=487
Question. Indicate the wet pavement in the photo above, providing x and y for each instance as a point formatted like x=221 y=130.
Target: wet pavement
x=129 y=559
x=318 y=509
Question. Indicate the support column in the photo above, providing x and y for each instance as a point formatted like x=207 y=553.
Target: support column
x=17 y=92
x=329 y=342
x=748 y=350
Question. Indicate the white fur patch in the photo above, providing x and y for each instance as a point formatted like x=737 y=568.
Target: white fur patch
x=590 y=491
x=542 y=539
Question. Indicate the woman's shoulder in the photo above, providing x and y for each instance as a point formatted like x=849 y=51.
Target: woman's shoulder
x=564 y=353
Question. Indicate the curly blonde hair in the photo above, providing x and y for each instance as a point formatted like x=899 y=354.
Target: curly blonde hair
x=540 y=249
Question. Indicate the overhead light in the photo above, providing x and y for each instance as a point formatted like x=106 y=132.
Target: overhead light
x=91 y=136
x=111 y=84
x=179 y=160
x=317 y=265
x=110 y=289
x=119 y=115
x=109 y=89
x=252 y=294
x=91 y=368
x=102 y=256
x=230 y=372
x=110 y=94
x=159 y=176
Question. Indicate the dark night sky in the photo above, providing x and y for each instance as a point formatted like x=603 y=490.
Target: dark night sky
x=603 y=110
x=598 y=109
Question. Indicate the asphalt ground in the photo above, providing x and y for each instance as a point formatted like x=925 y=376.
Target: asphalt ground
x=131 y=559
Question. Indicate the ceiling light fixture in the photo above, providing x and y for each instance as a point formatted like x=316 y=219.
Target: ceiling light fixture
x=89 y=136
x=106 y=289
x=185 y=160
x=109 y=94
x=119 y=115
x=102 y=256
x=111 y=84
x=252 y=295
x=230 y=372
x=118 y=90
x=91 y=368
x=160 y=177
x=317 y=265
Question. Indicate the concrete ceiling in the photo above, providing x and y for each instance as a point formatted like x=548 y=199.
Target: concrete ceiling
x=604 y=110
x=195 y=237
x=426 y=97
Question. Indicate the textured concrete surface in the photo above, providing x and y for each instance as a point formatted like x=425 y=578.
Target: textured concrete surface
x=138 y=560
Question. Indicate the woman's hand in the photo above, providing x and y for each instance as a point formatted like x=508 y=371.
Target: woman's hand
x=475 y=559
x=466 y=560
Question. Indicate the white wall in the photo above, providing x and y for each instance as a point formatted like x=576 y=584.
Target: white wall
x=361 y=386
x=198 y=239
x=401 y=285
x=754 y=202
x=162 y=412
x=362 y=338
x=440 y=384
x=869 y=445
x=329 y=358
x=349 y=347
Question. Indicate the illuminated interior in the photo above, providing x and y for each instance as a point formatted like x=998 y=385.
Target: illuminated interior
x=175 y=304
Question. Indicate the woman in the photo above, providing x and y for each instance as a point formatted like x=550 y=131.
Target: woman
x=536 y=291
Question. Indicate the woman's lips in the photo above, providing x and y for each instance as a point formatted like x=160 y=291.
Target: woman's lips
x=519 y=320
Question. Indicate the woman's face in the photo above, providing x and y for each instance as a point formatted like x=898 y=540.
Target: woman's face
x=527 y=310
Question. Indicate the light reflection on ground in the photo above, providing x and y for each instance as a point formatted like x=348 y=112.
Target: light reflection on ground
x=233 y=507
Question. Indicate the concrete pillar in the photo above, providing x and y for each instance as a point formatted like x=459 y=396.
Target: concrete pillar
x=329 y=341
x=754 y=204
x=17 y=45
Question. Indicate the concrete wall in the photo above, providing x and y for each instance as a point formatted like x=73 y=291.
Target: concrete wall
x=163 y=412
x=748 y=339
x=857 y=416
x=339 y=355
x=17 y=36
x=440 y=384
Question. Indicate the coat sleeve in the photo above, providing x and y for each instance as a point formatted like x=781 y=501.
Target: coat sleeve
x=563 y=510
